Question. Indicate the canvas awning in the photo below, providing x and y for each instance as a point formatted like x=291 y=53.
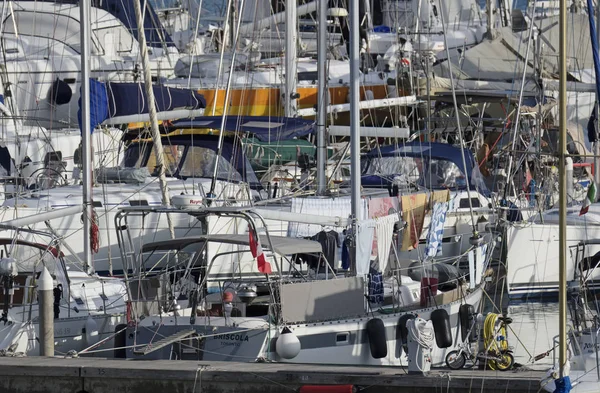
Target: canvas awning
x=279 y=244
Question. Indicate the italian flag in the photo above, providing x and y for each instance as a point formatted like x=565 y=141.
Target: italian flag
x=589 y=199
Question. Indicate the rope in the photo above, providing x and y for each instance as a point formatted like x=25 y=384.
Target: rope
x=94 y=234
x=424 y=337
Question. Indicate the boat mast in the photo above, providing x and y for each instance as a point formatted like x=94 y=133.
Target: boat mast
x=291 y=67
x=322 y=97
x=354 y=123
x=156 y=138
x=597 y=125
x=86 y=137
x=213 y=183
x=562 y=215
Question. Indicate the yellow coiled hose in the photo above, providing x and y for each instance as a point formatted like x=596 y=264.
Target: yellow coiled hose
x=489 y=338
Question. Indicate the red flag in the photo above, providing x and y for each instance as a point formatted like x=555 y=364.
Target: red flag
x=257 y=252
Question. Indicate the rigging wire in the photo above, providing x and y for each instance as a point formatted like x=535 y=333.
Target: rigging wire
x=460 y=135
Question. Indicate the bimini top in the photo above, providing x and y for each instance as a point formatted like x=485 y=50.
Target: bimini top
x=264 y=128
x=441 y=160
x=198 y=158
x=281 y=245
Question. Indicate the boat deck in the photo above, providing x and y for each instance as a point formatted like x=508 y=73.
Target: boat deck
x=96 y=375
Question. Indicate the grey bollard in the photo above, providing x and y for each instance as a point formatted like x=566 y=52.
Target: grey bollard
x=46 y=313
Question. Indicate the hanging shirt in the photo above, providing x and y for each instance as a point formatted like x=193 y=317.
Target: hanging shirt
x=330 y=242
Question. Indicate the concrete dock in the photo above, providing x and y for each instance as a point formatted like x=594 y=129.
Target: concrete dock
x=95 y=375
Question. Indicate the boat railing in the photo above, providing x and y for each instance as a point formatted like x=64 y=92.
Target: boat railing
x=574 y=345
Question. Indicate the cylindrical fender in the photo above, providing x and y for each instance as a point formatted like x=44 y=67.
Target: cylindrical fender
x=441 y=327
x=377 y=338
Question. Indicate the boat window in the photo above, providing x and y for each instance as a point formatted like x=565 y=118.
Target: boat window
x=47 y=26
x=443 y=174
x=405 y=169
x=136 y=154
x=410 y=170
x=200 y=162
x=171 y=156
x=121 y=39
x=31 y=259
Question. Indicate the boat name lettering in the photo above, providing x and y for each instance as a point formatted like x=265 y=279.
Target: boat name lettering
x=232 y=337
x=588 y=346
x=62 y=331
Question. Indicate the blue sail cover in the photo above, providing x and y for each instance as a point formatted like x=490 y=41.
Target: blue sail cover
x=109 y=100
x=156 y=35
x=130 y=98
x=427 y=151
x=591 y=129
x=98 y=105
x=264 y=128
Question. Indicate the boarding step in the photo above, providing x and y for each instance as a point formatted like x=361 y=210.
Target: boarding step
x=173 y=338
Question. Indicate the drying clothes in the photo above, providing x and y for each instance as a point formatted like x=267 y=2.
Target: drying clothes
x=330 y=241
x=384 y=230
x=413 y=212
x=436 y=230
x=439 y=196
x=375 y=287
x=364 y=245
x=381 y=207
x=346 y=254
x=327 y=207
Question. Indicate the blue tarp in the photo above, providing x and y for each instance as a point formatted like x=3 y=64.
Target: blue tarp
x=563 y=384
x=264 y=128
x=98 y=105
x=109 y=100
x=130 y=98
x=156 y=36
x=426 y=151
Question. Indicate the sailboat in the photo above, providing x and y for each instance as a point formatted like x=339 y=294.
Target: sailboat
x=575 y=374
x=200 y=302
x=87 y=309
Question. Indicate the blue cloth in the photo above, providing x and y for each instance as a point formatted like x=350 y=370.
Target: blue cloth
x=563 y=385
x=436 y=230
x=375 y=287
x=345 y=256
x=109 y=100
x=130 y=99
x=382 y=29
x=98 y=105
